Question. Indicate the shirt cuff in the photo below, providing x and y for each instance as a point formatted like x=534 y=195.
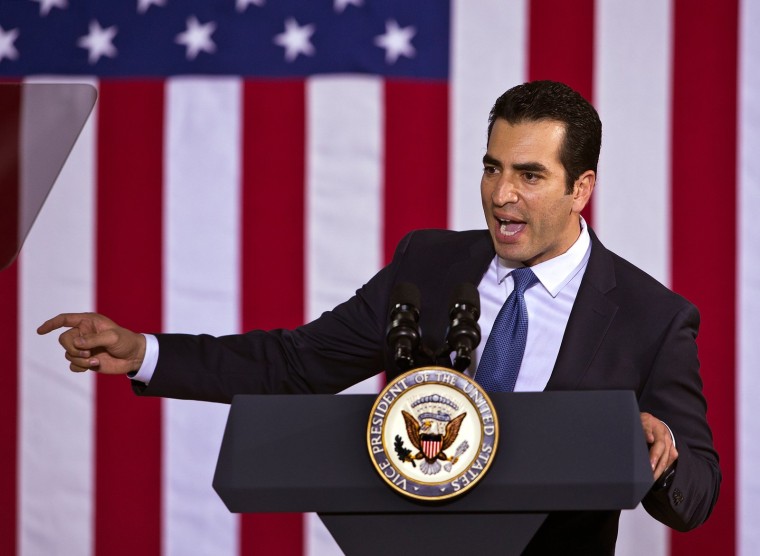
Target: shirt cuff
x=148 y=367
x=673 y=438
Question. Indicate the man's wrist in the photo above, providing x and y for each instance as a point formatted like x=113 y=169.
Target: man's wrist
x=149 y=360
x=666 y=479
x=137 y=362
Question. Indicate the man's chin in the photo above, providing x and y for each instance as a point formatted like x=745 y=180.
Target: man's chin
x=510 y=253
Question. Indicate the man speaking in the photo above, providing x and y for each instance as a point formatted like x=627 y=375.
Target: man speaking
x=558 y=312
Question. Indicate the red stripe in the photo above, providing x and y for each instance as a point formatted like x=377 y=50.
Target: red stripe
x=10 y=117
x=416 y=159
x=129 y=225
x=10 y=103
x=273 y=235
x=9 y=327
x=704 y=257
x=561 y=47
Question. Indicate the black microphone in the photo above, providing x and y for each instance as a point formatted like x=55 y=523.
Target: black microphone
x=463 y=335
x=404 y=330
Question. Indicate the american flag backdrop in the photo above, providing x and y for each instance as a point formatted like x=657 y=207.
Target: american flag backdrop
x=250 y=163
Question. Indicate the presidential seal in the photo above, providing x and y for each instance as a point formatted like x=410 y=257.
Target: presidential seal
x=432 y=433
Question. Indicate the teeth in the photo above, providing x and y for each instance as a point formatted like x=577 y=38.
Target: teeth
x=504 y=228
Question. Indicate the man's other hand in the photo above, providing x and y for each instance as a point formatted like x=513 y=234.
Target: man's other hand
x=662 y=451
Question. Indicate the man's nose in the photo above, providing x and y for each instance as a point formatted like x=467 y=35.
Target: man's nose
x=504 y=193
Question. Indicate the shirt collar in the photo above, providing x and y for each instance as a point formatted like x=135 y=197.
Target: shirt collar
x=555 y=273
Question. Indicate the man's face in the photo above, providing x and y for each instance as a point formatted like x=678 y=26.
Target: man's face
x=530 y=217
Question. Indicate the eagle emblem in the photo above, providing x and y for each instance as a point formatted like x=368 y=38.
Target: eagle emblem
x=432 y=433
x=431 y=430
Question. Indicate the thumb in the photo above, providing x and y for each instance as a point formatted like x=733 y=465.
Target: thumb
x=103 y=339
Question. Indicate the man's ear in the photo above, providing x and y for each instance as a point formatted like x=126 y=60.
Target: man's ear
x=582 y=190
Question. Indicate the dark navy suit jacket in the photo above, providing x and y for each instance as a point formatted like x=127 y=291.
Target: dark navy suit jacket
x=626 y=331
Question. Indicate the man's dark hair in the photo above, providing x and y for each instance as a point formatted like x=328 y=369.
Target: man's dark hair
x=550 y=100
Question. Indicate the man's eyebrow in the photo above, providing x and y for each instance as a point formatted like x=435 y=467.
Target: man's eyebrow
x=537 y=167
x=490 y=161
x=530 y=167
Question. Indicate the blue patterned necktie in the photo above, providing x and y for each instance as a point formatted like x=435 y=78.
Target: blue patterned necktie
x=502 y=356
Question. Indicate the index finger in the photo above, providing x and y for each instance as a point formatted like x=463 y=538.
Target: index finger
x=68 y=320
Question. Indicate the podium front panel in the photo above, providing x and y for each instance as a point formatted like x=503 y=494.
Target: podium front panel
x=557 y=451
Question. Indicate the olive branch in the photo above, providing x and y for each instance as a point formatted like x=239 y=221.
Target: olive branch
x=402 y=451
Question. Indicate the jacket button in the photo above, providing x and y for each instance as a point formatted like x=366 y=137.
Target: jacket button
x=677 y=496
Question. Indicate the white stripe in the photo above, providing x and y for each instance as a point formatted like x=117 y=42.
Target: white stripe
x=632 y=199
x=319 y=541
x=632 y=93
x=488 y=55
x=344 y=205
x=748 y=307
x=344 y=187
x=201 y=294
x=55 y=467
x=344 y=209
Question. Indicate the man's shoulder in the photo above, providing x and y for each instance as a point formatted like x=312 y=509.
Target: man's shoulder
x=430 y=254
x=434 y=238
x=636 y=284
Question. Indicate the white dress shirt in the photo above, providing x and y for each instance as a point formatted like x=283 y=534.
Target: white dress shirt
x=548 y=302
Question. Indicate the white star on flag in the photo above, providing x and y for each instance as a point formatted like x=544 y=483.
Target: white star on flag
x=143 y=5
x=242 y=5
x=295 y=39
x=99 y=42
x=396 y=41
x=197 y=37
x=341 y=5
x=7 y=49
x=47 y=5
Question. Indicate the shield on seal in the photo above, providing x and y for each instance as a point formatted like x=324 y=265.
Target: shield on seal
x=431 y=445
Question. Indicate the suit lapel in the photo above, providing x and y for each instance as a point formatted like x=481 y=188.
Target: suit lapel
x=472 y=269
x=462 y=261
x=589 y=320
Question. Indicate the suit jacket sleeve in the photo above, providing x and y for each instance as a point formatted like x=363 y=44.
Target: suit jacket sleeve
x=340 y=348
x=629 y=332
x=673 y=393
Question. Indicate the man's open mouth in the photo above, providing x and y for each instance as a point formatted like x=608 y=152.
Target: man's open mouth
x=510 y=227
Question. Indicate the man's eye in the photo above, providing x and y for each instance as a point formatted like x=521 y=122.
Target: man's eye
x=530 y=176
x=489 y=170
